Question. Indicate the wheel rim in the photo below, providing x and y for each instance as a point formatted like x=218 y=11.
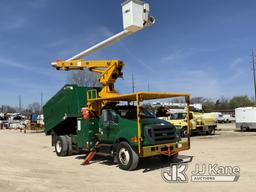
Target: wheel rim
x=185 y=132
x=58 y=146
x=124 y=156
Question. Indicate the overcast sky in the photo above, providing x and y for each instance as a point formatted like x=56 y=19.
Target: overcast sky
x=201 y=47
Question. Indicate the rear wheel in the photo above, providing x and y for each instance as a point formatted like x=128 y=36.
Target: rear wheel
x=165 y=158
x=70 y=150
x=244 y=128
x=127 y=158
x=211 y=131
x=61 y=146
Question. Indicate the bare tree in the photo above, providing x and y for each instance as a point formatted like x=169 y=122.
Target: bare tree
x=34 y=108
x=222 y=103
x=83 y=78
x=195 y=100
x=178 y=100
x=7 y=109
x=208 y=105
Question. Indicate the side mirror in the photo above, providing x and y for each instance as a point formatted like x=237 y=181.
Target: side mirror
x=105 y=115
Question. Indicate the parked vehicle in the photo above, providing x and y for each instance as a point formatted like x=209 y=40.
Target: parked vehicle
x=219 y=117
x=245 y=118
x=3 y=121
x=17 y=121
x=228 y=118
x=199 y=122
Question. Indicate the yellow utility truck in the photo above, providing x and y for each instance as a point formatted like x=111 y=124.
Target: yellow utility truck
x=199 y=122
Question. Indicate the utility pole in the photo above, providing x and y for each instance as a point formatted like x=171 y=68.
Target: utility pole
x=41 y=104
x=19 y=104
x=133 y=84
x=148 y=87
x=254 y=75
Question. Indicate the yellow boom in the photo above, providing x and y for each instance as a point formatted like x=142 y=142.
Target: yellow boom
x=109 y=70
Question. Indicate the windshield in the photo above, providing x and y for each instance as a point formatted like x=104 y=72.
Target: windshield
x=131 y=112
x=176 y=116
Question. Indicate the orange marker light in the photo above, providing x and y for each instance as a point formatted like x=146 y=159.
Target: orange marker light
x=134 y=139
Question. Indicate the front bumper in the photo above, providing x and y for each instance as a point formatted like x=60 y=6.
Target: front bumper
x=165 y=149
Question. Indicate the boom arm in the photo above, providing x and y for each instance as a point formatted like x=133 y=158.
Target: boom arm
x=109 y=70
x=135 y=18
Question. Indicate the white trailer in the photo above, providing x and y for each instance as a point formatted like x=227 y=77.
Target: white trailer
x=245 y=118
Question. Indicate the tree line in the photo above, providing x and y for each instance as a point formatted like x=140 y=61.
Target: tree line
x=223 y=103
x=33 y=108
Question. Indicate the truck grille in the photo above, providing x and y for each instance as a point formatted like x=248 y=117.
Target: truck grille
x=160 y=134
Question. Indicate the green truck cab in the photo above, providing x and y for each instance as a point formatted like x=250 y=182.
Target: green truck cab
x=120 y=130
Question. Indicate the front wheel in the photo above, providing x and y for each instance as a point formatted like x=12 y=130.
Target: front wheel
x=127 y=158
x=183 y=132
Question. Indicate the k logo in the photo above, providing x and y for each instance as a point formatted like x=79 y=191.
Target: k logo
x=175 y=173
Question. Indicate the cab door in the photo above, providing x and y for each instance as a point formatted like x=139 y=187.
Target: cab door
x=109 y=125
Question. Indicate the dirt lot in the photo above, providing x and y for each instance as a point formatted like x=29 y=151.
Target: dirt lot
x=28 y=163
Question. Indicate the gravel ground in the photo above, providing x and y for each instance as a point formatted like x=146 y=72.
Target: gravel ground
x=28 y=163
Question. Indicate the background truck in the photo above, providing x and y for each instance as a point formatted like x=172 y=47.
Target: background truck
x=224 y=118
x=245 y=118
x=124 y=132
x=219 y=117
x=228 y=118
x=199 y=122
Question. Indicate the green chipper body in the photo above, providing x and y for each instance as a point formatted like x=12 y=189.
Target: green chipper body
x=63 y=109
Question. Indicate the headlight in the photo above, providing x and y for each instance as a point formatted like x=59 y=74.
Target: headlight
x=179 y=145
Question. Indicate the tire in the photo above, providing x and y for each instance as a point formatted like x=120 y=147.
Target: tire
x=61 y=146
x=168 y=159
x=70 y=150
x=127 y=158
x=184 y=132
x=243 y=129
x=211 y=131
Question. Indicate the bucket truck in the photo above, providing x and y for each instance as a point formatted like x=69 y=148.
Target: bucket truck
x=103 y=122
